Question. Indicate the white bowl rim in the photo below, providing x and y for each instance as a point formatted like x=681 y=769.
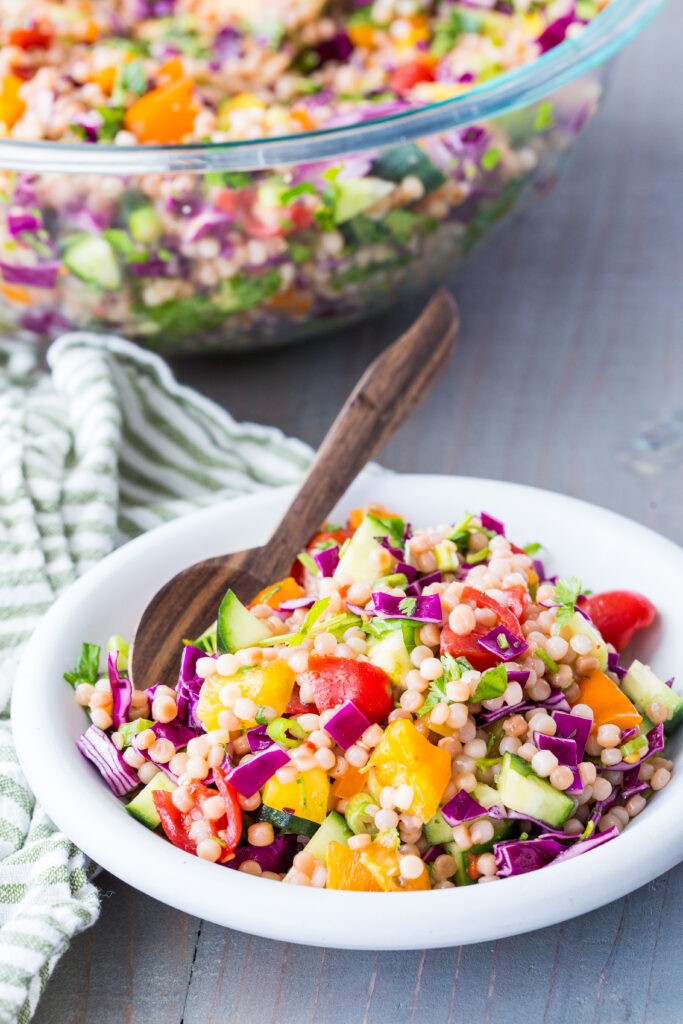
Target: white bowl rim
x=291 y=913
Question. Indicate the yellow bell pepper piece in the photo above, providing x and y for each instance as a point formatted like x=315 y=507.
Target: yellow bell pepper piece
x=306 y=797
x=345 y=870
x=11 y=105
x=383 y=866
x=270 y=686
x=404 y=755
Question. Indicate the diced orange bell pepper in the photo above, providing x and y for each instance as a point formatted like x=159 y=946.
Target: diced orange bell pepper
x=609 y=704
x=345 y=870
x=291 y=301
x=105 y=78
x=362 y=35
x=16 y=293
x=357 y=515
x=383 y=866
x=11 y=104
x=404 y=755
x=284 y=590
x=164 y=115
x=348 y=784
x=303 y=118
x=171 y=71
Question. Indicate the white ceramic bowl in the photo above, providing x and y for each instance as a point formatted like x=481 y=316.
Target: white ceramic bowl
x=602 y=548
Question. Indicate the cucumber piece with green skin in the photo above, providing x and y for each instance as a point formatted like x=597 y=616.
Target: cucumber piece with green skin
x=399 y=161
x=237 y=627
x=522 y=790
x=356 y=195
x=355 y=561
x=288 y=822
x=93 y=260
x=642 y=686
x=142 y=806
x=333 y=829
x=130 y=729
x=461 y=877
x=145 y=225
x=438 y=832
x=578 y=626
x=390 y=653
x=487 y=796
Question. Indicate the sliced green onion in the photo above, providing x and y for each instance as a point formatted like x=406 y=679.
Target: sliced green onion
x=286 y=731
x=547 y=660
x=357 y=817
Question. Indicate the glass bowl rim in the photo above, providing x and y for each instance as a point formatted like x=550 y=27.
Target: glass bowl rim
x=599 y=40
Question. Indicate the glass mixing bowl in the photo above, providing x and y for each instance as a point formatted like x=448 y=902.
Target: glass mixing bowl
x=243 y=245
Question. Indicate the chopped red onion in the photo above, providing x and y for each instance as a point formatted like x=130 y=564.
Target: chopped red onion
x=250 y=777
x=347 y=725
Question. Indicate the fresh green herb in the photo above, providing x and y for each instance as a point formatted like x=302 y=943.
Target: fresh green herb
x=87 y=666
x=112 y=123
x=314 y=613
x=474 y=557
x=260 y=717
x=547 y=660
x=324 y=218
x=337 y=625
x=408 y=606
x=130 y=729
x=308 y=562
x=179 y=317
x=401 y=224
x=395 y=527
x=228 y=179
x=333 y=527
x=117 y=645
x=140 y=46
x=435 y=695
x=300 y=253
x=304 y=188
x=394 y=579
x=544 y=118
x=379 y=628
x=566 y=594
x=124 y=244
x=531 y=549
x=454 y=667
x=492 y=741
x=207 y=642
x=246 y=290
x=490 y=159
x=492 y=684
x=301 y=783
x=130 y=78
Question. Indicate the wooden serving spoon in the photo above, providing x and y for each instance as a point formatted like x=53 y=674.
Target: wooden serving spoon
x=387 y=393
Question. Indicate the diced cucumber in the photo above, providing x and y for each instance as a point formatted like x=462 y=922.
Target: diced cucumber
x=130 y=729
x=487 y=796
x=93 y=259
x=390 y=653
x=461 y=877
x=437 y=831
x=145 y=224
x=289 y=822
x=356 y=195
x=142 y=807
x=333 y=829
x=237 y=627
x=399 y=161
x=578 y=626
x=521 y=789
x=642 y=686
x=355 y=561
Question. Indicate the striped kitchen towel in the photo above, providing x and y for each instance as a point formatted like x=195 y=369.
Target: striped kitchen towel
x=102 y=447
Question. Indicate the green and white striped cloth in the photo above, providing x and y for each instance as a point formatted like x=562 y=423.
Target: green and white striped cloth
x=104 y=446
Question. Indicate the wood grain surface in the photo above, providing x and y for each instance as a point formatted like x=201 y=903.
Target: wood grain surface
x=569 y=375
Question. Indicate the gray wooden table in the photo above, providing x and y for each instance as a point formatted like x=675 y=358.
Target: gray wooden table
x=570 y=376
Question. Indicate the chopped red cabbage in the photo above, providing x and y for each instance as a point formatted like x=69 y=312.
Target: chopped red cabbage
x=408 y=570
x=431 y=853
x=555 y=32
x=296 y=602
x=491 y=523
x=259 y=739
x=519 y=676
x=23 y=220
x=338 y=48
x=418 y=585
x=205 y=222
x=96 y=746
x=539 y=569
x=179 y=734
x=503 y=644
x=614 y=666
x=631 y=783
x=565 y=750
x=121 y=691
x=347 y=725
x=396 y=552
x=506 y=814
x=277 y=856
x=462 y=807
x=584 y=845
x=518 y=856
x=573 y=727
x=421 y=609
x=42 y=275
x=655 y=744
x=251 y=776
x=188 y=686
x=327 y=560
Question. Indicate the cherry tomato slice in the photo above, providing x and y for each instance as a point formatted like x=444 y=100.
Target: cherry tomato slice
x=467 y=646
x=29 y=38
x=517 y=599
x=173 y=821
x=177 y=825
x=506 y=616
x=296 y=706
x=408 y=75
x=618 y=614
x=233 y=811
x=335 y=680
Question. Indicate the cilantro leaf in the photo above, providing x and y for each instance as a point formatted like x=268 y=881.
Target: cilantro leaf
x=532 y=549
x=408 y=605
x=435 y=695
x=567 y=592
x=260 y=717
x=87 y=666
x=492 y=684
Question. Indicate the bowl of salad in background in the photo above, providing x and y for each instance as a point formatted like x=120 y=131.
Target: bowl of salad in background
x=200 y=177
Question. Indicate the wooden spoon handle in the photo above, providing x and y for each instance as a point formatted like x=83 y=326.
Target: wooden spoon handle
x=385 y=396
